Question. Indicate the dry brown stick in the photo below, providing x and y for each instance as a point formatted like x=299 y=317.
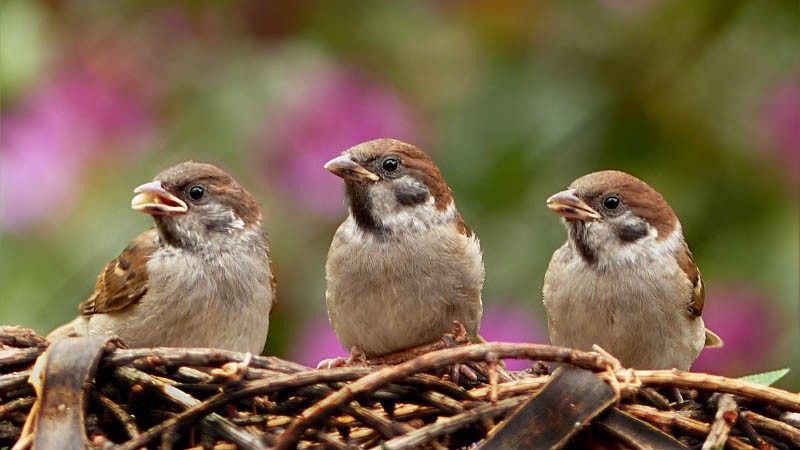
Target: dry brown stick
x=654 y=398
x=451 y=424
x=721 y=428
x=774 y=428
x=386 y=428
x=669 y=419
x=429 y=382
x=750 y=432
x=330 y=441
x=516 y=387
x=14 y=380
x=221 y=425
x=20 y=356
x=703 y=381
x=16 y=405
x=445 y=404
x=250 y=388
x=197 y=357
x=128 y=423
x=429 y=361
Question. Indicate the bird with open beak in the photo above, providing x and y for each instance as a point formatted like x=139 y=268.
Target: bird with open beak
x=200 y=278
x=625 y=279
x=403 y=265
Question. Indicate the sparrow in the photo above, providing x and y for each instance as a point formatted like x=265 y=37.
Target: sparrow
x=403 y=266
x=200 y=278
x=625 y=278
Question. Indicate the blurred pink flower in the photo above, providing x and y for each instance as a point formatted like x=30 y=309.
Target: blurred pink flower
x=510 y=323
x=780 y=125
x=317 y=341
x=742 y=317
x=336 y=111
x=46 y=142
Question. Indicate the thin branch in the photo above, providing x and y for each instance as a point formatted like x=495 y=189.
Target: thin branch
x=451 y=424
x=435 y=360
x=128 y=422
x=774 y=428
x=725 y=417
x=703 y=381
x=221 y=425
x=673 y=419
x=19 y=356
x=165 y=356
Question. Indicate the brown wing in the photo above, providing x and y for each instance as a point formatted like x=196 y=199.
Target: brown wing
x=687 y=264
x=689 y=267
x=273 y=284
x=461 y=226
x=124 y=280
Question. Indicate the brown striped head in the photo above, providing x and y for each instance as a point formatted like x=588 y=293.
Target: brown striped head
x=612 y=206
x=392 y=186
x=194 y=202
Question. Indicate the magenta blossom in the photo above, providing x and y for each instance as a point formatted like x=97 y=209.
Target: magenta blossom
x=337 y=111
x=742 y=318
x=781 y=127
x=316 y=342
x=46 y=142
x=511 y=323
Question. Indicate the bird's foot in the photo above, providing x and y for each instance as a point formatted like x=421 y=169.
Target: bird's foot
x=357 y=358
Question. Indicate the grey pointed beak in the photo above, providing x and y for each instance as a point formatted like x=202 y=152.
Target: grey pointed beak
x=152 y=198
x=571 y=206
x=348 y=168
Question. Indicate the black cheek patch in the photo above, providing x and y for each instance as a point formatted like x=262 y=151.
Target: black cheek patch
x=577 y=231
x=411 y=196
x=632 y=232
x=361 y=209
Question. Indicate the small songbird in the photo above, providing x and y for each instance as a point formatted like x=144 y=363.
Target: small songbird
x=625 y=279
x=200 y=278
x=403 y=265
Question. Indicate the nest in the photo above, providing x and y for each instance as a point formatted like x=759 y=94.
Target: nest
x=94 y=392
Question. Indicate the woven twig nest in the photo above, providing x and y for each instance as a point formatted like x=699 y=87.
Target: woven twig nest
x=89 y=392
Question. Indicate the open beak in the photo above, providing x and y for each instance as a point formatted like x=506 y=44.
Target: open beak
x=153 y=199
x=568 y=204
x=347 y=167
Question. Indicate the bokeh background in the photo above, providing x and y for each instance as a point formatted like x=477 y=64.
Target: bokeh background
x=513 y=99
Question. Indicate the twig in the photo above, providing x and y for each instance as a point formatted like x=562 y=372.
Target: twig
x=750 y=432
x=451 y=424
x=16 y=405
x=250 y=388
x=14 y=380
x=119 y=413
x=743 y=388
x=774 y=428
x=516 y=387
x=20 y=356
x=330 y=441
x=196 y=357
x=670 y=419
x=433 y=383
x=429 y=361
x=655 y=399
x=726 y=415
x=369 y=418
x=223 y=426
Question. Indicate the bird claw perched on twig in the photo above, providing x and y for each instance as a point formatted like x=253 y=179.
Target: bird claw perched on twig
x=357 y=358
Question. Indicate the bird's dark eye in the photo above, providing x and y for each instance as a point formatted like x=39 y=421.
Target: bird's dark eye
x=611 y=202
x=390 y=164
x=196 y=192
